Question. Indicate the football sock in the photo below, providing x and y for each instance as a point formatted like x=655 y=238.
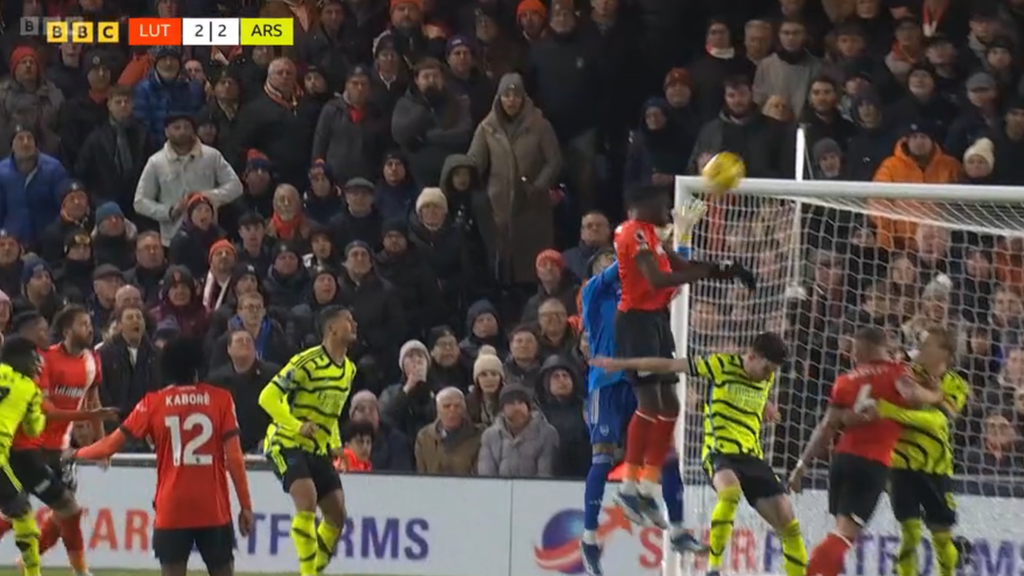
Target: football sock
x=722 y=517
x=50 y=534
x=906 y=556
x=637 y=433
x=794 y=553
x=304 y=536
x=26 y=538
x=74 y=543
x=326 y=540
x=828 y=556
x=946 y=554
x=5 y=527
x=593 y=494
x=659 y=440
x=672 y=492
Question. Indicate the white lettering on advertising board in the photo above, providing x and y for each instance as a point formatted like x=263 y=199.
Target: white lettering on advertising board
x=422 y=526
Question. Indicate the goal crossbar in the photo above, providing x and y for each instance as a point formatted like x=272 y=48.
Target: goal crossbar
x=830 y=189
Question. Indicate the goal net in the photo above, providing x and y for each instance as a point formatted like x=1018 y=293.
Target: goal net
x=832 y=257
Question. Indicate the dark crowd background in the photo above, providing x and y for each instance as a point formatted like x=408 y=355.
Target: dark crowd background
x=451 y=170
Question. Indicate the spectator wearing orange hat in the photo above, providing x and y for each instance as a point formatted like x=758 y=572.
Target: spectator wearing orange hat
x=223 y=257
x=682 y=115
x=191 y=245
x=29 y=99
x=553 y=281
x=532 y=17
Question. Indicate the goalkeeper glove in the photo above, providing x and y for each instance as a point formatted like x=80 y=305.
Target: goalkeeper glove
x=686 y=218
x=729 y=270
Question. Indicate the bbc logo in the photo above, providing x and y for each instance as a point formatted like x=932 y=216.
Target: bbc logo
x=74 y=30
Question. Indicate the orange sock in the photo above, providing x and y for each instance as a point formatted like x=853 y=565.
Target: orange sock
x=49 y=535
x=71 y=533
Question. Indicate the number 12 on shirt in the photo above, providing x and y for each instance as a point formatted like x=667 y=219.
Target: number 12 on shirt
x=185 y=453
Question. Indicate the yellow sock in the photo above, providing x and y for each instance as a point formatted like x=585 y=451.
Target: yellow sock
x=946 y=554
x=326 y=539
x=906 y=555
x=794 y=553
x=26 y=538
x=721 y=524
x=304 y=537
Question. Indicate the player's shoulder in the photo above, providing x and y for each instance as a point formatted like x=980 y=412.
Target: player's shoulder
x=307 y=356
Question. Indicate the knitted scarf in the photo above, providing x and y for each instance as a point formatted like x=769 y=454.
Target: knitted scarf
x=287 y=229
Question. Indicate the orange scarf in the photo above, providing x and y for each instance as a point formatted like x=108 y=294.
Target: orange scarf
x=99 y=96
x=278 y=98
x=287 y=229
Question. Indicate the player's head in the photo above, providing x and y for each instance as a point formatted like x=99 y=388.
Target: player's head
x=937 y=350
x=650 y=203
x=20 y=354
x=337 y=325
x=32 y=325
x=870 y=344
x=74 y=326
x=180 y=360
x=765 y=356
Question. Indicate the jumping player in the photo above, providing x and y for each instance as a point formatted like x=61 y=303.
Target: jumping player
x=21 y=409
x=921 y=480
x=859 y=471
x=739 y=388
x=305 y=401
x=649 y=276
x=610 y=403
x=68 y=377
x=194 y=431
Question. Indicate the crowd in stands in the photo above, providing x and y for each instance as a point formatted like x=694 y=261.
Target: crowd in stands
x=452 y=171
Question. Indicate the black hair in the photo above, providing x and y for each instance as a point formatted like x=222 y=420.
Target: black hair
x=19 y=353
x=872 y=335
x=25 y=319
x=438 y=332
x=181 y=360
x=356 y=429
x=329 y=314
x=771 y=346
x=64 y=319
x=736 y=81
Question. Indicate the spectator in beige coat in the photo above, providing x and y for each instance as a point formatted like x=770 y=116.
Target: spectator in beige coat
x=449 y=445
x=788 y=72
x=516 y=149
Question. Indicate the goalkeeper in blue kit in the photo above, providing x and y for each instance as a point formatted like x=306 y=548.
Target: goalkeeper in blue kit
x=610 y=405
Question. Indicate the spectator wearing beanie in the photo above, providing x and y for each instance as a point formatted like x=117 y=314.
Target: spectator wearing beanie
x=874 y=140
x=85 y=110
x=444 y=246
x=658 y=151
x=430 y=122
x=520 y=173
x=323 y=293
x=562 y=404
x=73 y=276
x=449 y=445
x=409 y=404
x=191 y=245
x=375 y=305
x=38 y=291
x=164 y=91
x=520 y=443
x=553 y=281
x=488 y=378
x=483 y=328
x=828 y=159
x=222 y=112
x=113 y=239
x=447 y=368
x=29 y=98
x=288 y=282
x=532 y=19
x=395 y=193
x=391 y=449
x=407 y=269
x=977 y=115
x=980 y=162
x=470 y=210
x=466 y=78
x=322 y=200
x=351 y=132
x=75 y=214
x=106 y=281
x=222 y=261
x=390 y=79
x=28 y=204
x=181 y=304
x=359 y=220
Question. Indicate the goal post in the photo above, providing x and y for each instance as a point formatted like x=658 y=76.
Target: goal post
x=832 y=256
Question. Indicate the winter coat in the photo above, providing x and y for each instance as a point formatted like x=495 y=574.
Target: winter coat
x=351 y=149
x=30 y=202
x=449 y=453
x=414 y=280
x=427 y=133
x=566 y=415
x=38 y=109
x=529 y=454
x=155 y=98
x=776 y=77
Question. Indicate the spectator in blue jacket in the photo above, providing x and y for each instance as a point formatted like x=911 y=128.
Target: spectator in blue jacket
x=163 y=91
x=31 y=186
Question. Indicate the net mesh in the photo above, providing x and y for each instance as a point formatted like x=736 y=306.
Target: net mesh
x=829 y=267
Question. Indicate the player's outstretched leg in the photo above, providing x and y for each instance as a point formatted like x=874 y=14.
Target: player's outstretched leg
x=910 y=539
x=778 y=512
x=303 y=531
x=672 y=492
x=722 y=517
x=26 y=538
x=64 y=523
x=946 y=554
x=601 y=464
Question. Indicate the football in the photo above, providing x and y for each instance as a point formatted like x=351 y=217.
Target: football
x=723 y=172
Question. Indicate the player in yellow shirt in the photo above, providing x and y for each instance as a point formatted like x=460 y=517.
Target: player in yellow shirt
x=921 y=481
x=20 y=407
x=305 y=401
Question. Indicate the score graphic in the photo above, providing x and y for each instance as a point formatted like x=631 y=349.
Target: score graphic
x=211 y=32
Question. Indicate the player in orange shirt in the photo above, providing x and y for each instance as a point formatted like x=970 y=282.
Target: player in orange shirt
x=38 y=467
x=194 y=431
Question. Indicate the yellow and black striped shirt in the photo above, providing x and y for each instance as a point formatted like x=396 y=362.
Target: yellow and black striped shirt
x=310 y=388
x=929 y=449
x=21 y=406
x=733 y=405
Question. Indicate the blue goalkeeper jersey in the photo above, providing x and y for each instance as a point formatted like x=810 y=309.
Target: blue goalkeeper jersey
x=599 y=300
